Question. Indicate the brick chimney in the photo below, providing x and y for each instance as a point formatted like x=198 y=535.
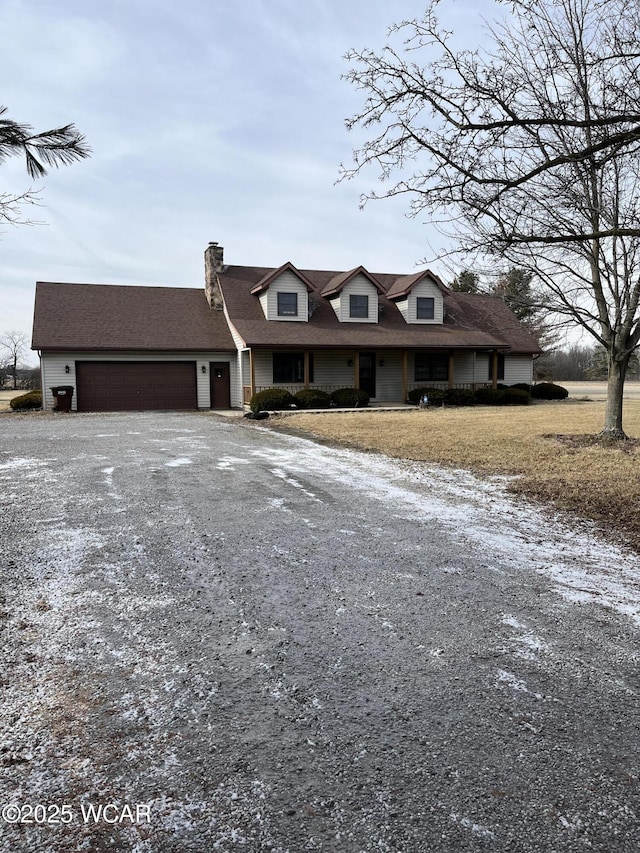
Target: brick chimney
x=213 y=265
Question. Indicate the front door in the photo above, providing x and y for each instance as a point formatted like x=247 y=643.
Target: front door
x=220 y=385
x=367 y=374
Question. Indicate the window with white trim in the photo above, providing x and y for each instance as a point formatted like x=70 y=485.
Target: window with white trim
x=287 y=304
x=358 y=306
x=425 y=307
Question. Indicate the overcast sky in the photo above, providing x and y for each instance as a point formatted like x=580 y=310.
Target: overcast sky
x=209 y=120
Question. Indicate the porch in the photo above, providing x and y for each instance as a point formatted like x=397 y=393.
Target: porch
x=387 y=375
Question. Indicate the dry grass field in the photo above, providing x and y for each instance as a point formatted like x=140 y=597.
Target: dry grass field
x=547 y=447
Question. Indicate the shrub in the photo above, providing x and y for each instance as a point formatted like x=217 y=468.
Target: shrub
x=459 y=397
x=548 y=391
x=435 y=395
x=32 y=400
x=489 y=396
x=522 y=386
x=507 y=396
x=271 y=399
x=346 y=398
x=516 y=397
x=310 y=398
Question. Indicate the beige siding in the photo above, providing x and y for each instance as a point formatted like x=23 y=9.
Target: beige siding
x=518 y=368
x=263 y=368
x=425 y=288
x=403 y=307
x=465 y=368
x=483 y=360
x=331 y=369
x=54 y=373
x=285 y=283
x=358 y=286
x=389 y=377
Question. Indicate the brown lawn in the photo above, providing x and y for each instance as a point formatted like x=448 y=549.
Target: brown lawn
x=548 y=446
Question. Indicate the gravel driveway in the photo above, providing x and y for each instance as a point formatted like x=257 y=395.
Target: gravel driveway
x=218 y=638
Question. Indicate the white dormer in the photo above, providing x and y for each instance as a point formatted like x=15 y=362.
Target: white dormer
x=354 y=296
x=284 y=294
x=419 y=298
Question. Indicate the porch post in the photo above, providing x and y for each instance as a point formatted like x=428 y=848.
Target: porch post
x=356 y=369
x=306 y=368
x=405 y=375
x=252 y=371
x=494 y=368
x=450 y=369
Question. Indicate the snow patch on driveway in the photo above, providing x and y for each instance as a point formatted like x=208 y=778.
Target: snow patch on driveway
x=506 y=529
x=178 y=463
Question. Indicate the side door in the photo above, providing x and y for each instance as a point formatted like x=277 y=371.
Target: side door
x=220 y=384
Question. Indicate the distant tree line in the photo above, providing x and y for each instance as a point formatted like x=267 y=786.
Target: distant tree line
x=577 y=363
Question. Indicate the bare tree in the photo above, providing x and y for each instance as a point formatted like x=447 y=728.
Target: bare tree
x=528 y=150
x=13 y=345
x=58 y=147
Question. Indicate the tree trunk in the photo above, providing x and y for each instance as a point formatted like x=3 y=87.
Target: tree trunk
x=613 y=413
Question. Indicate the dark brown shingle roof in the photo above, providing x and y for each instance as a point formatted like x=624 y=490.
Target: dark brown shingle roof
x=115 y=317
x=472 y=321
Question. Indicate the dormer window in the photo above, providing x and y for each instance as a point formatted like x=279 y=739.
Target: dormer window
x=419 y=297
x=425 y=308
x=358 y=305
x=354 y=296
x=287 y=304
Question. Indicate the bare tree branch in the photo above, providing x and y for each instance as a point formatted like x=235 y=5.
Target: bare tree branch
x=528 y=150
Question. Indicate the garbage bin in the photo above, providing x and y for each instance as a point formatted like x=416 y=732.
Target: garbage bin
x=62 y=394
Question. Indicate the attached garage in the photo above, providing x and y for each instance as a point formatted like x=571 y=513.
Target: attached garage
x=115 y=386
x=128 y=348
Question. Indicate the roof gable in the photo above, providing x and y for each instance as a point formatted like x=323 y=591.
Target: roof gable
x=266 y=280
x=338 y=282
x=404 y=285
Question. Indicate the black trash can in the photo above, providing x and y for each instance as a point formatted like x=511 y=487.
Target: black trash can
x=62 y=394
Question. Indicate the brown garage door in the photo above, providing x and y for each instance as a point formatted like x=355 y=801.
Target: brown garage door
x=116 y=386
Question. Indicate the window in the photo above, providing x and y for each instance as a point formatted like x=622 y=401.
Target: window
x=358 y=306
x=431 y=367
x=500 y=366
x=287 y=304
x=425 y=307
x=289 y=367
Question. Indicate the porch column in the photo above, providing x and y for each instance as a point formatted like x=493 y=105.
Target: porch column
x=356 y=369
x=494 y=368
x=252 y=371
x=405 y=375
x=450 y=369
